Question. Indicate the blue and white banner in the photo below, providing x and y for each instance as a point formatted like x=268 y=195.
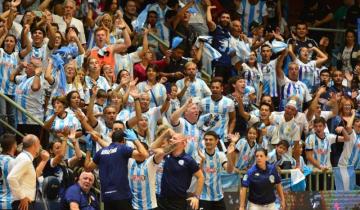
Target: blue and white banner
x=230 y=182
x=345 y=179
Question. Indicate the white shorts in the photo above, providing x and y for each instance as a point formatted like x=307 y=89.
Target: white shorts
x=253 y=206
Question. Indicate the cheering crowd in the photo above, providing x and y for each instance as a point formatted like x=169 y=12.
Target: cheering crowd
x=167 y=96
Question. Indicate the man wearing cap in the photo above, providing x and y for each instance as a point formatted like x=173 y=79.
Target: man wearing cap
x=288 y=129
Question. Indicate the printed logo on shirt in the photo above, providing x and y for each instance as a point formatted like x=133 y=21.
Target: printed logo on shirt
x=272 y=179
x=257 y=174
x=108 y=151
x=321 y=151
x=245 y=177
x=210 y=170
x=138 y=178
x=245 y=157
x=181 y=162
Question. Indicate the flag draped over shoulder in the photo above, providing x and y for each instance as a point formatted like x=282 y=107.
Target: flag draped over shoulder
x=345 y=179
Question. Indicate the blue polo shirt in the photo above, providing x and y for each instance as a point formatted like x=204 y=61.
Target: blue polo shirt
x=112 y=162
x=261 y=184
x=177 y=174
x=86 y=201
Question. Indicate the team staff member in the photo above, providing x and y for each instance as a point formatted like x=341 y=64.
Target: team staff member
x=113 y=169
x=178 y=170
x=78 y=196
x=22 y=177
x=261 y=179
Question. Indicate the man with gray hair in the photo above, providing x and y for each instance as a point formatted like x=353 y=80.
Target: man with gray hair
x=22 y=177
x=68 y=20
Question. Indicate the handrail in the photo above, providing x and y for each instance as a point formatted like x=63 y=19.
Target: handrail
x=39 y=122
x=11 y=128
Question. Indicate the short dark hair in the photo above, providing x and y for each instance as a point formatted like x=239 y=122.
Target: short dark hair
x=37 y=28
x=319 y=120
x=211 y=133
x=7 y=140
x=261 y=149
x=301 y=23
x=118 y=122
x=284 y=143
x=324 y=71
x=118 y=136
x=217 y=79
x=266 y=104
x=169 y=14
x=101 y=93
x=264 y=45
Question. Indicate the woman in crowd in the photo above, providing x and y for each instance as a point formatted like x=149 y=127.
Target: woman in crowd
x=156 y=89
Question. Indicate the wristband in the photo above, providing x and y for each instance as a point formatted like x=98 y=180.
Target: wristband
x=197 y=196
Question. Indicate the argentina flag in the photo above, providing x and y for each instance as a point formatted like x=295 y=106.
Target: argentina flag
x=344 y=178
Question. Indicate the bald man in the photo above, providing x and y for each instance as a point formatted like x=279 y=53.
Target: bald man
x=22 y=177
x=79 y=196
x=178 y=170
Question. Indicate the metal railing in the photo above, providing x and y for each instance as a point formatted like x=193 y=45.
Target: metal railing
x=328 y=177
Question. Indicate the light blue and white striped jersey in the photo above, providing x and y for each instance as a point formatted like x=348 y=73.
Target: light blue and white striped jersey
x=59 y=124
x=251 y=13
x=157 y=93
x=212 y=167
x=289 y=131
x=291 y=88
x=246 y=154
x=351 y=152
x=8 y=63
x=142 y=178
x=159 y=173
x=198 y=89
x=101 y=83
x=41 y=54
x=307 y=72
x=354 y=158
x=269 y=75
x=253 y=76
x=98 y=109
x=222 y=107
x=130 y=103
x=174 y=105
x=28 y=99
x=321 y=148
x=153 y=115
x=104 y=130
x=192 y=132
x=6 y=163
x=272 y=159
x=127 y=62
x=124 y=115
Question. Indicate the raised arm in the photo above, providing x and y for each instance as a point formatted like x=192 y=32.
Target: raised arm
x=321 y=57
x=36 y=84
x=44 y=156
x=138 y=114
x=166 y=105
x=242 y=111
x=51 y=34
x=174 y=119
x=291 y=52
x=211 y=24
x=183 y=90
x=279 y=65
x=314 y=103
x=118 y=48
x=90 y=110
x=180 y=14
x=140 y=153
x=27 y=42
